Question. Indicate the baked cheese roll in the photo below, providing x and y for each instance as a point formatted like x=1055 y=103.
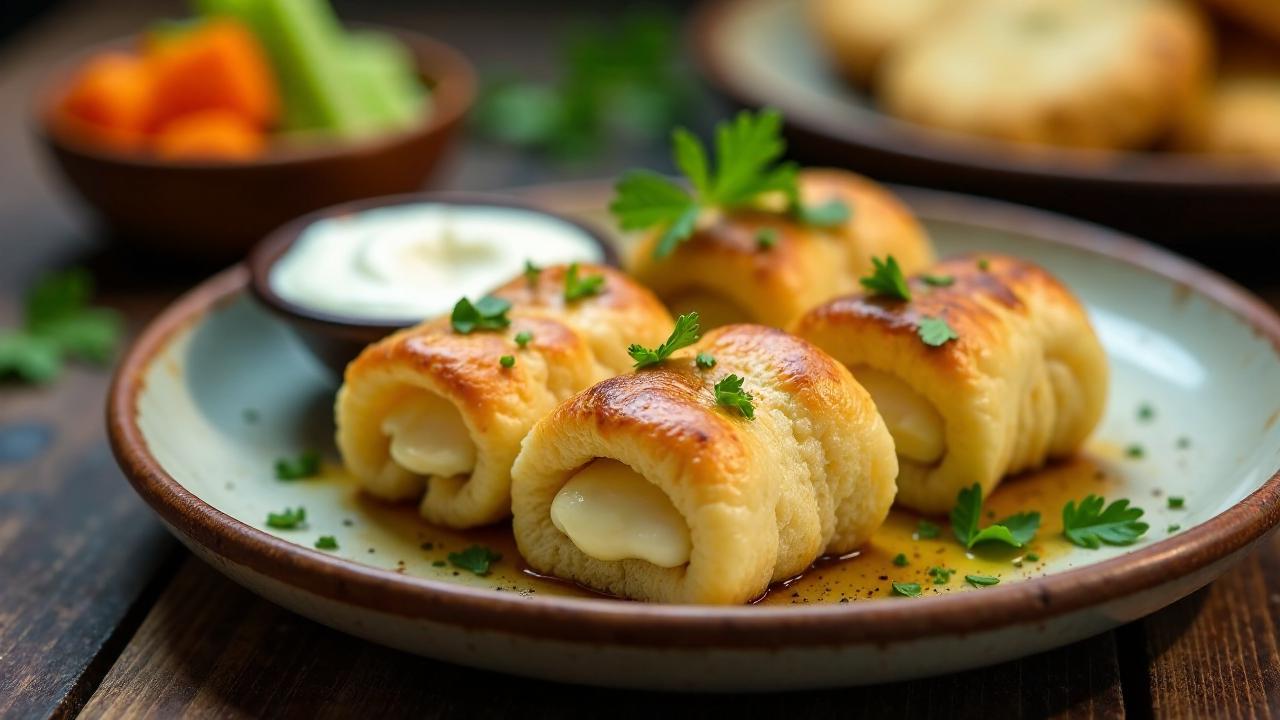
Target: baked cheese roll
x=646 y=487
x=1100 y=74
x=433 y=413
x=728 y=274
x=1021 y=379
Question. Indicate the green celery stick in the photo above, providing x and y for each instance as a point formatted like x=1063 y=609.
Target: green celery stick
x=383 y=74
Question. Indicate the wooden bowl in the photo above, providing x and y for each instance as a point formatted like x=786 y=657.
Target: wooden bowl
x=215 y=211
x=337 y=339
x=761 y=53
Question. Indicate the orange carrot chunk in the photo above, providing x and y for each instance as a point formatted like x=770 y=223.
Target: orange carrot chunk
x=210 y=135
x=217 y=66
x=110 y=101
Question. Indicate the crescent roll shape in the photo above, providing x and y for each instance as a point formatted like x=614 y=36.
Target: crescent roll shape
x=725 y=274
x=644 y=487
x=1025 y=381
x=429 y=410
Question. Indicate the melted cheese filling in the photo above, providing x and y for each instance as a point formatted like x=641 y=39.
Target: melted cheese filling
x=913 y=422
x=429 y=438
x=610 y=512
x=714 y=310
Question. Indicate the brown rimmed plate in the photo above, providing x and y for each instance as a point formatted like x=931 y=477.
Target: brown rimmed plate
x=216 y=390
x=761 y=53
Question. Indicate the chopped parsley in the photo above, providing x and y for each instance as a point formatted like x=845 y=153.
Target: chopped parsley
x=487 y=313
x=900 y=560
x=1089 y=525
x=326 y=542
x=58 y=324
x=886 y=279
x=1173 y=528
x=685 y=333
x=938 y=280
x=1032 y=557
x=983 y=264
x=477 y=559
x=704 y=361
x=522 y=338
x=1015 y=530
x=926 y=530
x=288 y=519
x=306 y=465
x=941 y=575
x=747 y=153
x=1135 y=452
x=1146 y=413
x=532 y=273
x=981 y=580
x=1176 y=502
x=766 y=238
x=507 y=361
x=935 y=332
x=729 y=393
x=576 y=288
x=907 y=589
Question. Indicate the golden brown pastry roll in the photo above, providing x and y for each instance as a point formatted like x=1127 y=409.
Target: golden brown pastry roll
x=646 y=487
x=1101 y=74
x=1020 y=378
x=431 y=410
x=728 y=274
x=857 y=33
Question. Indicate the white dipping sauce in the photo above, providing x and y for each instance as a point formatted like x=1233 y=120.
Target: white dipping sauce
x=414 y=261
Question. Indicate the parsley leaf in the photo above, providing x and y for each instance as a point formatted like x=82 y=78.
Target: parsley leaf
x=1176 y=502
x=886 y=279
x=507 y=361
x=487 y=313
x=523 y=338
x=729 y=393
x=981 y=580
x=1089 y=525
x=477 y=558
x=686 y=333
x=58 y=323
x=900 y=560
x=704 y=361
x=746 y=149
x=326 y=542
x=532 y=273
x=935 y=332
x=938 y=280
x=1015 y=531
x=576 y=288
x=941 y=575
x=306 y=465
x=907 y=589
x=288 y=519
x=926 y=530
x=645 y=199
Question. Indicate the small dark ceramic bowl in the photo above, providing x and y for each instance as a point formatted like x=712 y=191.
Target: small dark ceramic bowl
x=215 y=211
x=334 y=338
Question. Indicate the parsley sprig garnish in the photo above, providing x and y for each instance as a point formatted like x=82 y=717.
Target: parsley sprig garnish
x=729 y=393
x=886 y=279
x=305 y=465
x=1015 y=530
x=477 y=558
x=747 y=168
x=686 y=333
x=907 y=589
x=577 y=287
x=935 y=332
x=58 y=324
x=487 y=313
x=1089 y=525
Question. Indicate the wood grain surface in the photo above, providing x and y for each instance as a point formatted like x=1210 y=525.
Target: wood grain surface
x=101 y=612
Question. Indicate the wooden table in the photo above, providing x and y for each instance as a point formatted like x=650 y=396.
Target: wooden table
x=103 y=613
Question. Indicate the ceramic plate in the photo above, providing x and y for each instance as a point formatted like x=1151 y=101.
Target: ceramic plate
x=760 y=52
x=216 y=390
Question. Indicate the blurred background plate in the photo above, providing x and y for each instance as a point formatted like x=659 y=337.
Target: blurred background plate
x=761 y=52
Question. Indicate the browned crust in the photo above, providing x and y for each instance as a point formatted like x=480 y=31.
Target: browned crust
x=1187 y=556
x=619 y=291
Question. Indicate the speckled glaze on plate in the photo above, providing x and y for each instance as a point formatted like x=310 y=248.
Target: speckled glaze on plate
x=216 y=390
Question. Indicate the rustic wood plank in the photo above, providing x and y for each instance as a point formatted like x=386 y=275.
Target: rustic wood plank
x=212 y=649
x=1217 y=653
